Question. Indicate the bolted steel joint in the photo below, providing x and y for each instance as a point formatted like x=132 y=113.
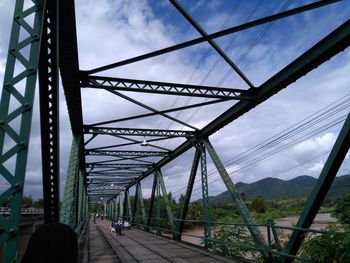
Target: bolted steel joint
x=31 y=70
x=8 y=86
x=35 y=36
x=11 y=231
x=13 y=49
x=18 y=17
x=2 y=122
x=17 y=186
x=27 y=106
x=22 y=145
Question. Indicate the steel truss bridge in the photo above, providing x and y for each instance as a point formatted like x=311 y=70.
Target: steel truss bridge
x=105 y=160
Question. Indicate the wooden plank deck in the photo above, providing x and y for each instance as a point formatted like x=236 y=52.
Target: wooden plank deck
x=99 y=250
x=139 y=246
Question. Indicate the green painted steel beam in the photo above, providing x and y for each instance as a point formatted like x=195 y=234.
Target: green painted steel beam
x=16 y=109
x=165 y=198
x=205 y=196
x=222 y=53
x=157 y=203
x=117 y=165
x=218 y=34
x=96 y=187
x=166 y=88
x=125 y=153
x=100 y=186
x=325 y=49
x=236 y=196
x=188 y=194
x=136 y=132
x=129 y=205
x=104 y=193
x=108 y=180
x=69 y=64
x=321 y=188
x=126 y=214
x=49 y=113
x=142 y=204
x=69 y=203
x=151 y=203
x=113 y=174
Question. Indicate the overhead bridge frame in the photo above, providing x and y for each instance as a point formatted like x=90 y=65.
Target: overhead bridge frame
x=166 y=88
x=52 y=42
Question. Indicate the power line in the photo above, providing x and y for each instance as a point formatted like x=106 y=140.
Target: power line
x=301 y=126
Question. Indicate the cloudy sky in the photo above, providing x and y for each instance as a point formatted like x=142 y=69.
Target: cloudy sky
x=286 y=136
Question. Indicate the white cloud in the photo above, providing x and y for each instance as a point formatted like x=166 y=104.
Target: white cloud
x=316 y=168
x=314 y=146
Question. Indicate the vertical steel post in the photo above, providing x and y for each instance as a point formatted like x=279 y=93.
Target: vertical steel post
x=142 y=204
x=126 y=208
x=76 y=199
x=151 y=201
x=135 y=204
x=49 y=113
x=121 y=200
x=129 y=206
x=190 y=184
x=205 y=197
x=15 y=121
x=69 y=203
x=158 y=204
x=116 y=208
x=243 y=210
x=165 y=198
x=320 y=190
x=113 y=208
x=81 y=198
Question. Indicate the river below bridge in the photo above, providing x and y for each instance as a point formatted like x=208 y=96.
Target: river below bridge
x=321 y=221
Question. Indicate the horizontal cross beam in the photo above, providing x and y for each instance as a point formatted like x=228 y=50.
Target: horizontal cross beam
x=94 y=188
x=109 y=174
x=167 y=88
x=126 y=153
x=104 y=193
x=117 y=165
x=109 y=180
x=136 y=132
x=106 y=186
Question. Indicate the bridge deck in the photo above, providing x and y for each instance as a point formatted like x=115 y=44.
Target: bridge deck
x=139 y=246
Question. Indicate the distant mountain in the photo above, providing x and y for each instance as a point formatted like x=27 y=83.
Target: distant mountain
x=273 y=188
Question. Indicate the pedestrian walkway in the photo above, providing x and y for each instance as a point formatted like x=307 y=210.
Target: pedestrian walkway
x=139 y=246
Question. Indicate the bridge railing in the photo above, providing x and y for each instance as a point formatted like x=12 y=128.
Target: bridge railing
x=24 y=211
x=234 y=240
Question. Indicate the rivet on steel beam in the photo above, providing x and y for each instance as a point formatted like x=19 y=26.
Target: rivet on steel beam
x=8 y=86
x=31 y=70
x=18 y=17
x=17 y=186
x=2 y=123
x=27 y=106
x=12 y=231
x=22 y=145
x=13 y=49
x=35 y=36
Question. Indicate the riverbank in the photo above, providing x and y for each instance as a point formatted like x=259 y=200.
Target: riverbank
x=195 y=236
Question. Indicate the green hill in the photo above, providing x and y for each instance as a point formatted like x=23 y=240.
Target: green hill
x=273 y=188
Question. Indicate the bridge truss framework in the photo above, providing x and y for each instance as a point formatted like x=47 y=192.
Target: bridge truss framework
x=52 y=42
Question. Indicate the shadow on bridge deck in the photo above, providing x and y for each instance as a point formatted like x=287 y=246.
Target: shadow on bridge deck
x=140 y=246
